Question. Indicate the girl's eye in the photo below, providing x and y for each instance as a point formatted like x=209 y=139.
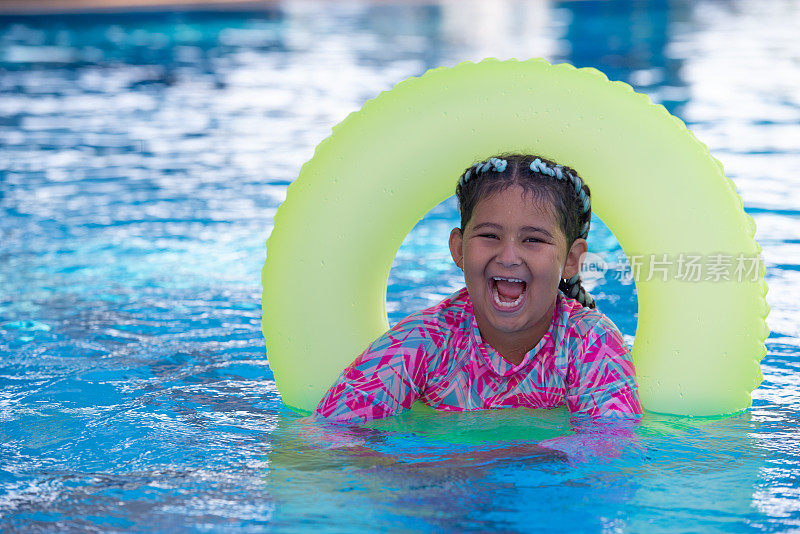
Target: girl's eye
x=490 y=236
x=533 y=240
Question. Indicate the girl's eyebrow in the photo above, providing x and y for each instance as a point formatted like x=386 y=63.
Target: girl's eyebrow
x=524 y=228
x=536 y=229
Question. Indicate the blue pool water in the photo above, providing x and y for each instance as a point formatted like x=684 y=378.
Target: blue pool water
x=142 y=158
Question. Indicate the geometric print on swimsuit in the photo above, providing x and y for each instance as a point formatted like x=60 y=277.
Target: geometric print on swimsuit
x=437 y=356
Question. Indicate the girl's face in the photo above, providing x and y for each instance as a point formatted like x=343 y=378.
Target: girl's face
x=514 y=254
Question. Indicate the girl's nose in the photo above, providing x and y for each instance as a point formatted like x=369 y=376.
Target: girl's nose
x=509 y=254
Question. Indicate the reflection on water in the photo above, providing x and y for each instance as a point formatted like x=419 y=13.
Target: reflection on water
x=663 y=471
x=143 y=158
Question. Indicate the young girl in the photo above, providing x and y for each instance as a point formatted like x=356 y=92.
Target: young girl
x=523 y=332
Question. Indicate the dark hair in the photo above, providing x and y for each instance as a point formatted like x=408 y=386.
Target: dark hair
x=559 y=186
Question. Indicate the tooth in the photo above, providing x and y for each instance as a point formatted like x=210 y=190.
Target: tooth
x=502 y=304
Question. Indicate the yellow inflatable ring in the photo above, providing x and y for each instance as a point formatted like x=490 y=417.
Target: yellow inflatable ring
x=698 y=342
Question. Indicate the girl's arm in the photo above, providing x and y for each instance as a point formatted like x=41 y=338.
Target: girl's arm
x=386 y=379
x=601 y=380
x=598 y=438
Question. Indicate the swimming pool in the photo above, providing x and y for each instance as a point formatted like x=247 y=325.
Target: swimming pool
x=143 y=158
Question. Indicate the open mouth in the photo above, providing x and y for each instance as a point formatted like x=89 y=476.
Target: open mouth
x=508 y=293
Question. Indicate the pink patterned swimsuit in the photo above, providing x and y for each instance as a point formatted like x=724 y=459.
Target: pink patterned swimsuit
x=437 y=355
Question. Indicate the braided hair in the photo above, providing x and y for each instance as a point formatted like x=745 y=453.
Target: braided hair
x=546 y=180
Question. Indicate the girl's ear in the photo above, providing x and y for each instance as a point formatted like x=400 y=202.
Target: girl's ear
x=574 y=259
x=456 y=241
